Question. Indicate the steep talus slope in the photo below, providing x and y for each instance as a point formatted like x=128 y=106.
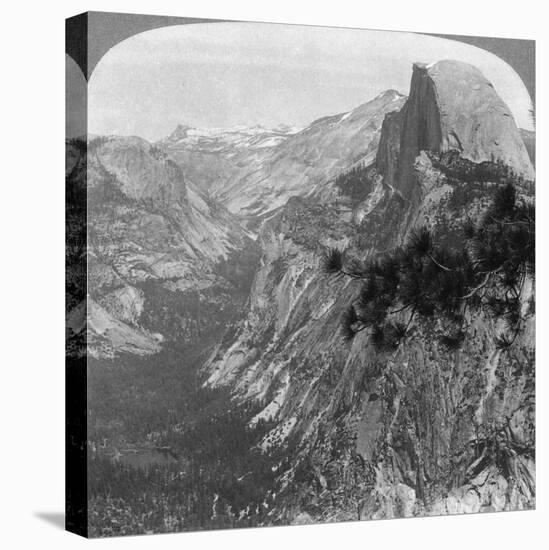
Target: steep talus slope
x=423 y=429
x=165 y=264
x=453 y=107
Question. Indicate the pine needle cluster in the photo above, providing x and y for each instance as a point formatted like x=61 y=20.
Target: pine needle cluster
x=425 y=278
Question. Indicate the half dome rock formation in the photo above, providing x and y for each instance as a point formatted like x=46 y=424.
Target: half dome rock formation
x=452 y=107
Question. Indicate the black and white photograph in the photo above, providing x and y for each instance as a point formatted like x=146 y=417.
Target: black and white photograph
x=310 y=267
x=299 y=280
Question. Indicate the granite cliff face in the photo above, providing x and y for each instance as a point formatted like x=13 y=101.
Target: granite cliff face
x=141 y=171
x=451 y=107
x=422 y=430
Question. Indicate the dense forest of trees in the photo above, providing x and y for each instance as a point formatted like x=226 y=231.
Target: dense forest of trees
x=220 y=477
x=355 y=183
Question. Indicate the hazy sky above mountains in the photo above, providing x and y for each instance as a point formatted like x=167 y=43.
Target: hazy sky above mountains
x=228 y=74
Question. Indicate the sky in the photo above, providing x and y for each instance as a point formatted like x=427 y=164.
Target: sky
x=229 y=74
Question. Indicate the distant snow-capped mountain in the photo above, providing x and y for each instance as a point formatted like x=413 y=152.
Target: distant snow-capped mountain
x=253 y=171
x=237 y=136
x=209 y=157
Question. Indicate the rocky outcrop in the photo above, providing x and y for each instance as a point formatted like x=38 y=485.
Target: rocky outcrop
x=389 y=147
x=452 y=107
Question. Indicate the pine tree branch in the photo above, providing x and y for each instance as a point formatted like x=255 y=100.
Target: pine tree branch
x=352 y=275
x=438 y=264
x=517 y=222
x=411 y=317
x=477 y=288
x=406 y=306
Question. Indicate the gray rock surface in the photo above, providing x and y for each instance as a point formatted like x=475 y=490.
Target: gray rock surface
x=452 y=106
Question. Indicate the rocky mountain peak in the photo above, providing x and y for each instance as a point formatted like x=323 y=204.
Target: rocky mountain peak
x=390 y=94
x=180 y=132
x=452 y=106
x=141 y=170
